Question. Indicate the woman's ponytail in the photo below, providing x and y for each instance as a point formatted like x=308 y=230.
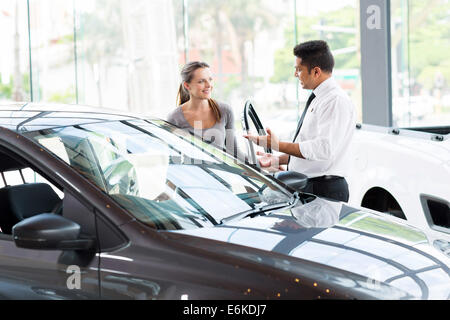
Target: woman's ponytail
x=183 y=95
x=215 y=108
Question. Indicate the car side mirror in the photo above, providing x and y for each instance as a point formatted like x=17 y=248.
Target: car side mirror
x=49 y=232
x=293 y=179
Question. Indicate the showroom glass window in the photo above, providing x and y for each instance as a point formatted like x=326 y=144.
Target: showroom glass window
x=15 y=58
x=420 y=62
x=127 y=54
x=52 y=50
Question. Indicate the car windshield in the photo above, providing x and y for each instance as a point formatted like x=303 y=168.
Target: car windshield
x=162 y=175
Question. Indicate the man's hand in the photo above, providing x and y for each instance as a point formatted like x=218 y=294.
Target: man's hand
x=269 y=141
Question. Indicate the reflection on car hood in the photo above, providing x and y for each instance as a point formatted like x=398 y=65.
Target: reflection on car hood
x=335 y=235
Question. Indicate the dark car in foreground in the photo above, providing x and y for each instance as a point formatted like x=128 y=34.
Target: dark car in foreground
x=98 y=205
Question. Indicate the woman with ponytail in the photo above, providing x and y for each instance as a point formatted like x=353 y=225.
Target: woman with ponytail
x=198 y=113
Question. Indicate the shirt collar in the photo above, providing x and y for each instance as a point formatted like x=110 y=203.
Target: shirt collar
x=324 y=87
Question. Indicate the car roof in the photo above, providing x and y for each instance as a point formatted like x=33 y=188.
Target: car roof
x=37 y=116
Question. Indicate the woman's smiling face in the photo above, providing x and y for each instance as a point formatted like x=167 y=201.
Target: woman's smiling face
x=201 y=85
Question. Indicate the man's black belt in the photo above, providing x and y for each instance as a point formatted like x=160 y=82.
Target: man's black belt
x=325 y=178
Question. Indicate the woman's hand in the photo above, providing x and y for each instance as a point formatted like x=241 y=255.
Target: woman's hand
x=267 y=160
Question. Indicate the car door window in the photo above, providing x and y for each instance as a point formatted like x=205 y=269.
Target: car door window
x=33 y=273
x=23 y=184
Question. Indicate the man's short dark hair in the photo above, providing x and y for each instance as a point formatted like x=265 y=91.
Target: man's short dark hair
x=315 y=53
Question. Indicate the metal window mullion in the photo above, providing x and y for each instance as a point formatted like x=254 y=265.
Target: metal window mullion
x=29 y=51
x=297 y=90
x=185 y=30
x=75 y=49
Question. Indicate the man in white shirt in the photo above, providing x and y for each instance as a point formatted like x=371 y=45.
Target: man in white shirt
x=320 y=148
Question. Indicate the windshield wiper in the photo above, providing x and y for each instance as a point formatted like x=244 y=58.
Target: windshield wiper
x=260 y=210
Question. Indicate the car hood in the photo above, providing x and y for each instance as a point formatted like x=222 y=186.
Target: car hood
x=359 y=242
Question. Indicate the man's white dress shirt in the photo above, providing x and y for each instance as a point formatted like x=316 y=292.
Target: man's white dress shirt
x=325 y=136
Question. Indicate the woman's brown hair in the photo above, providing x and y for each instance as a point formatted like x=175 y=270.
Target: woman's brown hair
x=186 y=76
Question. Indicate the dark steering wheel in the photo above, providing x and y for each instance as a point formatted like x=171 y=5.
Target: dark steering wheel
x=249 y=114
x=296 y=180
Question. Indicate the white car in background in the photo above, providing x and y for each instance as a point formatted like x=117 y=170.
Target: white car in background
x=405 y=173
